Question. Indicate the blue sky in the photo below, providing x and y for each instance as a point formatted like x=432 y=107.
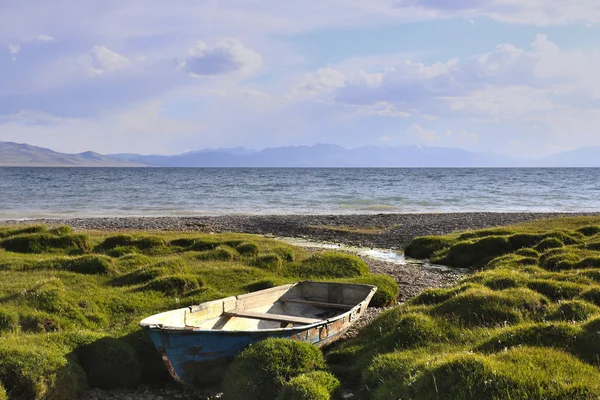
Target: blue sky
x=503 y=76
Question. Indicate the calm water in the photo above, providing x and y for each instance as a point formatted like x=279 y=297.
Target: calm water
x=77 y=192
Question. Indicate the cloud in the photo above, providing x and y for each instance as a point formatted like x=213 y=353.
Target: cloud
x=227 y=57
x=421 y=134
x=39 y=39
x=100 y=60
x=531 y=12
x=383 y=109
x=13 y=49
x=506 y=83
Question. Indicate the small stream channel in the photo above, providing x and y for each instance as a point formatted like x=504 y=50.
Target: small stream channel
x=390 y=256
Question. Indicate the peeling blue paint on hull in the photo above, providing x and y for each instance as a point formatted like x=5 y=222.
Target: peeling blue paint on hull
x=201 y=358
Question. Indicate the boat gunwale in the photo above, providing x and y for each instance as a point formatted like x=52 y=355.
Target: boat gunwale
x=179 y=329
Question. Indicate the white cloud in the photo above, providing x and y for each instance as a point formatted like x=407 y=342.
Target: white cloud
x=227 y=57
x=39 y=38
x=383 y=109
x=532 y=12
x=13 y=49
x=422 y=135
x=324 y=80
x=101 y=60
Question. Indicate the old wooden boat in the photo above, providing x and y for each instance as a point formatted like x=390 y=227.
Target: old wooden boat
x=197 y=342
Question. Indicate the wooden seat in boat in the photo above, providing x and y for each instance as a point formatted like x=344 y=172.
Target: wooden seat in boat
x=290 y=319
x=318 y=304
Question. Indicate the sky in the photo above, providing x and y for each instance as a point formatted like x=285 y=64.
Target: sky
x=513 y=77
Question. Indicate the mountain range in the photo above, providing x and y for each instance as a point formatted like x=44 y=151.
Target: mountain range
x=320 y=155
x=17 y=154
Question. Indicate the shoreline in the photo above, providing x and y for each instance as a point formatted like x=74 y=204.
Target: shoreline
x=386 y=231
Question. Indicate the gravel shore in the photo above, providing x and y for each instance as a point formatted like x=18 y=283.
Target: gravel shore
x=387 y=231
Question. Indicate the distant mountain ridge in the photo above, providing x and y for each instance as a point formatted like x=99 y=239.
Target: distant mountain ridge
x=320 y=155
x=326 y=155
x=24 y=155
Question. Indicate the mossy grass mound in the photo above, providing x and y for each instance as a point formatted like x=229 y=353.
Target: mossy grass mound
x=47 y=243
x=7 y=232
x=426 y=246
x=174 y=285
x=575 y=310
x=556 y=290
x=549 y=243
x=119 y=245
x=559 y=335
x=387 y=289
x=248 y=248
x=330 y=265
x=519 y=373
x=131 y=262
x=91 y=264
x=39 y=372
x=437 y=296
x=474 y=253
x=9 y=320
x=220 y=253
x=592 y=295
x=316 y=385
x=591 y=230
x=270 y=262
x=484 y=307
x=528 y=252
x=3 y=394
x=109 y=364
x=262 y=369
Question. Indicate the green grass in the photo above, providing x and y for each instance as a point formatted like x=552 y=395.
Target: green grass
x=316 y=385
x=262 y=370
x=524 y=325
x=70 y=303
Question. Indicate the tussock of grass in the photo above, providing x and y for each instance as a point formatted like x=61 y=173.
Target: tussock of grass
x=484 y=307
x=262 y=369
x=47 y=243
x=556 y=290
x=331 y=264
x=247 y=249
x=270 y=262
x=575 y=310
x=174 y=285
x=9 y=320
x=222 y=253
x=316 y=385
x=109 y=364
x=89 y=264
x=437 y=296
x=7 y=232
x=425 y=247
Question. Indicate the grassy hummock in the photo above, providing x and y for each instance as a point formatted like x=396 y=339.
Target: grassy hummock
x=316 y=385
x=524 y=325
x=262 y=370
x=70 y=303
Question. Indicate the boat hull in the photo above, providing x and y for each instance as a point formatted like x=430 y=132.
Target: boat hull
x=201 y=358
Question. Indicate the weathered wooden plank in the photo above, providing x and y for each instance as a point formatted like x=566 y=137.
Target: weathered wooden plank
x=318 y=304
x=271 y=317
